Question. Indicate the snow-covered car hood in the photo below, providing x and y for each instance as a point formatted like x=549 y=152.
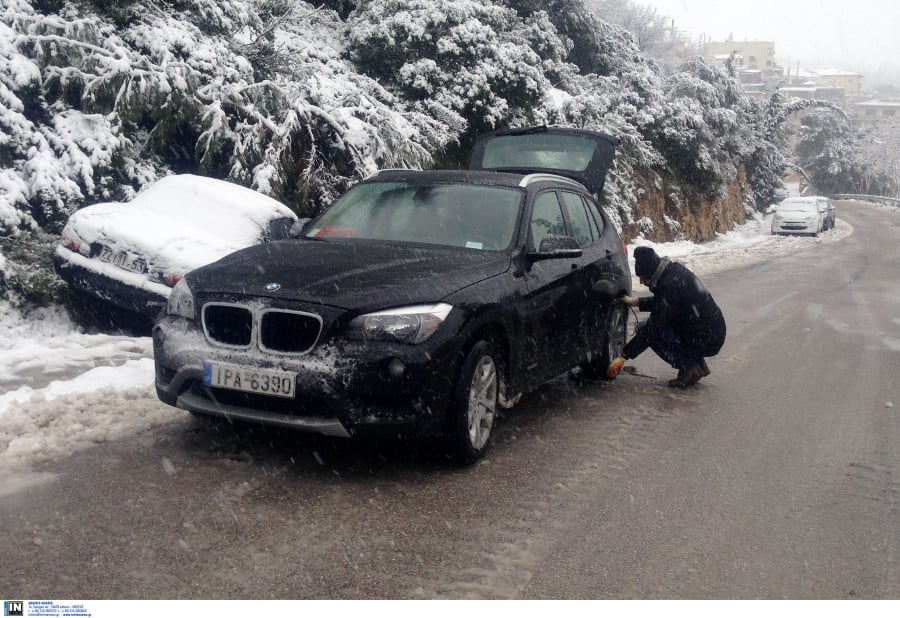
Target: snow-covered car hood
x=355 y=275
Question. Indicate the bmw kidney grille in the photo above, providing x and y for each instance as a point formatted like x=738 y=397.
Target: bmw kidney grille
x=277 y=330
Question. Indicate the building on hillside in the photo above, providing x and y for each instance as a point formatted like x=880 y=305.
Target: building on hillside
x=848 y=80
x=795 y=76
x=812 y=91
x=754 y=83
x=875 y=112
x=752 y=54
x=827 y=80
x=753 y=62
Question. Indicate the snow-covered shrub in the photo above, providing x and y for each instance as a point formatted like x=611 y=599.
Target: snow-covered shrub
x=26 y=273
x=879 y=156
x=645 y=226
x=828 y=150
x=98 y=99
x=707 y=132
x=318 y=125
x=470 y=56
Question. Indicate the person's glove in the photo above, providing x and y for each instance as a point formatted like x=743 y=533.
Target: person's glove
x=628 y=301
x=615 y=367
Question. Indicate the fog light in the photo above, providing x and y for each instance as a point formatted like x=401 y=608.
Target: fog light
x=396 y=369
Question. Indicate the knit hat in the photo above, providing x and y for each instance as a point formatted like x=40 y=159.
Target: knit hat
x=645 y=262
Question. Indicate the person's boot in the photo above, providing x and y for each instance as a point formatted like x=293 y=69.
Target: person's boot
x=704 y=367
x=687 y=377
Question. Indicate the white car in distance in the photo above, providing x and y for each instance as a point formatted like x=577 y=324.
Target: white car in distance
x=800 y=215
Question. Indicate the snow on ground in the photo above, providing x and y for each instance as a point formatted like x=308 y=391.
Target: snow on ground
x=62 y=390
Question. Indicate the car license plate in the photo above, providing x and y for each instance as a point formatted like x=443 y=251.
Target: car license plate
x=123 y=260
x=276 y=383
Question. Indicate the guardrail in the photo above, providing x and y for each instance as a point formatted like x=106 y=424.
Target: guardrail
x=881 y=199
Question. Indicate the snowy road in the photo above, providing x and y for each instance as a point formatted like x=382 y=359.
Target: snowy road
x=776 y=477
x=62 y=390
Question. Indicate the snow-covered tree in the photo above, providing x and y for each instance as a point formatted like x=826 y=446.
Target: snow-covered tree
x=472 y=57
x=649 y=28
x=99 y=98
x=707 y=133
x=299 y=100
x=828 y=150
x=879 y=159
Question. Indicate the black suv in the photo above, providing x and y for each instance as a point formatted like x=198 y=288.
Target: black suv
x=419 y=301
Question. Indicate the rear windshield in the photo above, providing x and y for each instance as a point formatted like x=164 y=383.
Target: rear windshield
x=540 y=150
x=452 y=215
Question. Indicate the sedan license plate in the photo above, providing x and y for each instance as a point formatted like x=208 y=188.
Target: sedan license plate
x=276 y=383
x=123 y=260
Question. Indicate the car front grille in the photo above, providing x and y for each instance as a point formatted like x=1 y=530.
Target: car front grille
x=230 y=325
x=293 y=332
x=273 y=330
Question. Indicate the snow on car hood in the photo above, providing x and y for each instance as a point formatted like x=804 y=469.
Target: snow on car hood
x=180 y=222
x=348 y=274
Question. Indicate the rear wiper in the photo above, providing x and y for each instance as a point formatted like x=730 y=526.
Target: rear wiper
x=529 y=131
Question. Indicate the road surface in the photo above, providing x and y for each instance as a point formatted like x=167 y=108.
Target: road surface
x=778 y=476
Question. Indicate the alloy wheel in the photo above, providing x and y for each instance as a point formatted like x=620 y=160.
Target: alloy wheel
x=482 y=402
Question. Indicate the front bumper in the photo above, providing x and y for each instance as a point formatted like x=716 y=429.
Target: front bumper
x=794 y=227
x=148 y=299
x=342 y=388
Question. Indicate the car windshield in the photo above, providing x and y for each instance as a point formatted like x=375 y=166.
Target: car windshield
x=797 y=207
x=447 y=214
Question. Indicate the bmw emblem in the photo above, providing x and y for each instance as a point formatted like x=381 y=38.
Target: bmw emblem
x=273 y=287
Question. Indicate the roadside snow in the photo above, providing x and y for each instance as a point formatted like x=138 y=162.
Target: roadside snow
x=62 y=390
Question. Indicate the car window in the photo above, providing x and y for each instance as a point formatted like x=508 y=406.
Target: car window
x=579 y=219
x=599 y=223
x=449 y=214
x=546 y=218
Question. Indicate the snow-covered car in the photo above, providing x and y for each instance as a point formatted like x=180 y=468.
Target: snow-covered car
x=799 y=215
x=418 y=303
x=131 y=254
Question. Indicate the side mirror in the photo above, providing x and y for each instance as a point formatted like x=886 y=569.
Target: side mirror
x=299 y=227
x=557 y=246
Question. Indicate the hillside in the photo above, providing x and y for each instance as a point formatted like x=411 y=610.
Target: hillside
x=99 y=98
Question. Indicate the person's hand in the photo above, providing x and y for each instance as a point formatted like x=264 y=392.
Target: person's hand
x=615 y=367
x=628 y=301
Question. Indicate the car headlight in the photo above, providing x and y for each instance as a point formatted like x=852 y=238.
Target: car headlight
x=412 y=324
x=181 y=301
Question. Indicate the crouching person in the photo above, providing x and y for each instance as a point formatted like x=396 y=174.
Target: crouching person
x=685 y=325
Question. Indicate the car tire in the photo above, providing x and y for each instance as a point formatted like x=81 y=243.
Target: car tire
x=616 y=327
x=473 y=406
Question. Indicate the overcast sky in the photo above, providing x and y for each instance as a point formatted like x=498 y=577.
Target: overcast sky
x=854 y=35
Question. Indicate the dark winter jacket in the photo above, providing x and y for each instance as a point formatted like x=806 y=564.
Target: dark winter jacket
x=682 y=302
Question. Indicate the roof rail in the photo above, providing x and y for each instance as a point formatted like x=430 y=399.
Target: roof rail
x=543 y=176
